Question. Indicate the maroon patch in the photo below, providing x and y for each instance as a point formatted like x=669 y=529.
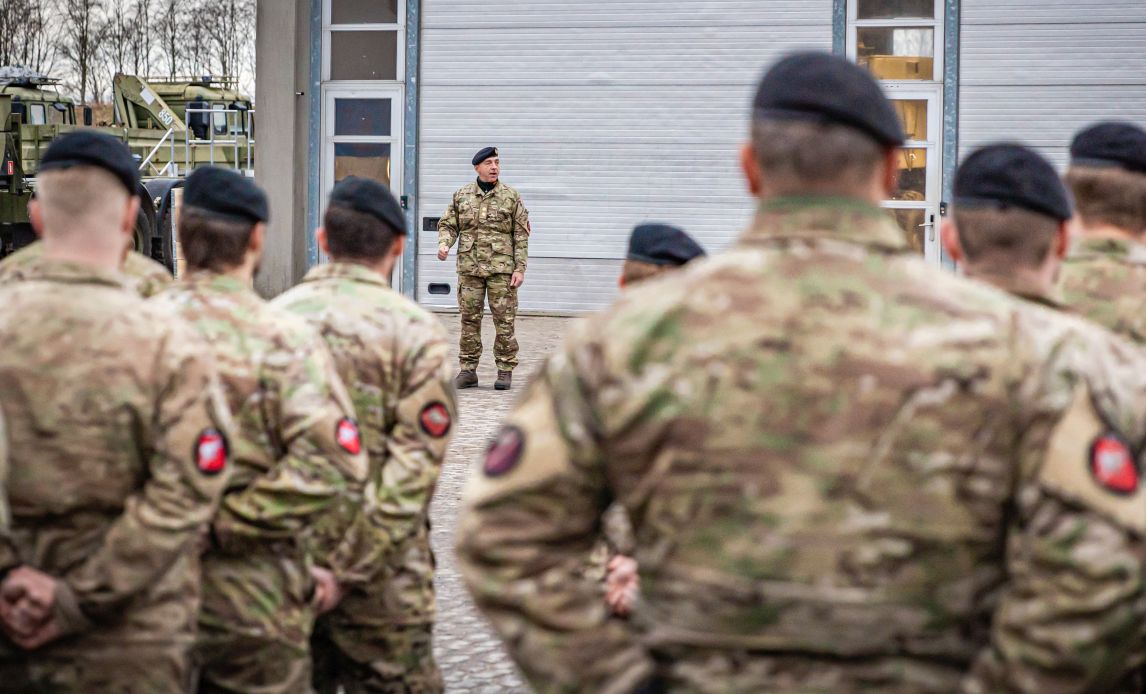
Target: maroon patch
x=505 y=452
x=211 y=452
x=348 y=437
x=435 y=419
x=1112 y=464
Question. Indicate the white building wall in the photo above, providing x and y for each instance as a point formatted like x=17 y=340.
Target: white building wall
x=1039 y=70
x=606 y=114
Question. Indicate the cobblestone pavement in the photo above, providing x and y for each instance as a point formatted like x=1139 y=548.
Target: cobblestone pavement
x=470 y=656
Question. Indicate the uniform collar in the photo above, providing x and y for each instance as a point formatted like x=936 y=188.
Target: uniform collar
x=1109 y=247
x=345 y=271
x=826 y=217
x=479 y=191
x=1022 y=288
x=73 y=273
x=217 y=282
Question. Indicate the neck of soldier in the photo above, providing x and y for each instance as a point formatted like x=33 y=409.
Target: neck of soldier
x=103 y=251
x=244 y=271
x=1102 y=230
x=1002 y=271
x=487 y=185
x=383 y=266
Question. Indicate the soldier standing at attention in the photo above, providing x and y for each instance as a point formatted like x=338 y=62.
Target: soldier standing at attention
x=847 y=470
x=146 y=276
x=119 y=441
x=490 y=224
x=299 y=463
x=1104 y=276
x=393 y=357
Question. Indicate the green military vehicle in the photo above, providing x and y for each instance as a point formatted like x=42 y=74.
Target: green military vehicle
x=33 y=112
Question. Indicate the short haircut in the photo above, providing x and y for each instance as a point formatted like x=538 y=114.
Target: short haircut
x=210 y=242
x=1109 y=195
x=635 y=271
x=1019 y=237
x=80 y=198
x=799 y=156
x=355 y=235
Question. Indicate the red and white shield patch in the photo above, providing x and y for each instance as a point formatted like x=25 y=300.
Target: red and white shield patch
x=347 y=436
x=505 y=452
x=1112 y=464
x=211 y=452
x=435 y=419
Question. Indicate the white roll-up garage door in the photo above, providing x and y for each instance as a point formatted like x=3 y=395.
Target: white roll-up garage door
x=605 y=113
x=1038 y=70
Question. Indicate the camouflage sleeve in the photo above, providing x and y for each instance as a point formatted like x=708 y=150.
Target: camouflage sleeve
x=1071 y=613
x=448 y=225
x=187 y=470
x=521 y=231
x=8 y=557
x=530 y=519
x=315 y=489
x=421 y=426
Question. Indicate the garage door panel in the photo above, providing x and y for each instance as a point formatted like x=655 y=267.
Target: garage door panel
x=1043 y=11
x=552 y=285
x=631 y=13
x=1054 y=54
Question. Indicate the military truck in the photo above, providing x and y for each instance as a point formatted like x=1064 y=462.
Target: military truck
x=33 y=112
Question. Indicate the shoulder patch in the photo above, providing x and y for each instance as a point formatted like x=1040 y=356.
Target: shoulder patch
x=1090 y=464
x=504 y=452
x=211 y=451
x=435 y=419
x=346 y=433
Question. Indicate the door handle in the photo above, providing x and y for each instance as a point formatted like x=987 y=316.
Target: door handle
x=930 y=226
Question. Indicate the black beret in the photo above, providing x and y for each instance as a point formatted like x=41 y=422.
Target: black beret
x=372 y=198
x=226 y=193
x=662 y=244
x=823 y=88
x=483 y=154
x=1111 y=144
x=91 y=148
x=1009 y=175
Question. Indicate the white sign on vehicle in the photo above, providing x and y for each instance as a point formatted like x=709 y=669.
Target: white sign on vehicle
x=148 y=96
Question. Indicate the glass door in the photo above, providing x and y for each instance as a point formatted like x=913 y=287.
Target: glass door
x=363 y=137
x=915 y=203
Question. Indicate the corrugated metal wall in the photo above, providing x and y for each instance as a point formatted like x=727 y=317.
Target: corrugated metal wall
x=1038 y=70
x=606 y=113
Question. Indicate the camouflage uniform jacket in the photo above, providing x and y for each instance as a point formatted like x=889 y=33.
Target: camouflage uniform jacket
x=118 y=433
x=491 y=229
x=299 y=468
x=392 y=355
x=1105 y=280
x=144 y=275
x=846 y=470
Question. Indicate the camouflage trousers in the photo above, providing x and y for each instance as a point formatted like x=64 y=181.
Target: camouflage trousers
x=396 y=659
x=472 y=294
x=127 y=669
x=255 y=623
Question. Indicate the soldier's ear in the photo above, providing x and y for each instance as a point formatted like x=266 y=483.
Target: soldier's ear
x=1062 y=241
x=949 y=234
x=398 y=247
x=258 y=235
x=890 y=171
x=323 y=240
x=36 y=216
x=751 y=170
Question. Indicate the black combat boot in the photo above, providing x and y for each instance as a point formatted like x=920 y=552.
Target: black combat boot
x=504 y=380
x=466 y=378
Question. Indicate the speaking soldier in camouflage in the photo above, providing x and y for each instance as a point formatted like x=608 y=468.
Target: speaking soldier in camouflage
x=490 y=224
x=393 y=358
x=299 y=465
x=144 y=275
x=119 y=449
x=847 y=470
x=1104 y=276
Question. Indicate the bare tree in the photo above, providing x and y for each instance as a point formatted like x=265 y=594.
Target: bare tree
x=169 y=27
x=139 y=39
x=27 y=38
x=83 y=28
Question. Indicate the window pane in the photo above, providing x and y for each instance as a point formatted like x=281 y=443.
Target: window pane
x=889 y=9
x=364 y=55
x=362 y=116
x=910 y=221
x=913 y=116
x=363 y=11
x=912 y=175
x=366 y=159
x=893 y=53
x=36 y=115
